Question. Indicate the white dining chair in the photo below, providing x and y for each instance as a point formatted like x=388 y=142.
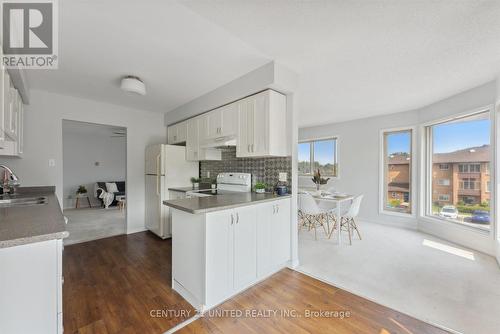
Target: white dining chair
x=347 y=222
x=311 y=215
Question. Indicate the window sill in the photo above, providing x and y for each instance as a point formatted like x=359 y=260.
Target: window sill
x=466 y=226
x=398 y=214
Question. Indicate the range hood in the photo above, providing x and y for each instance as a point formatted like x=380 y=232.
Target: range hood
x=220 y=142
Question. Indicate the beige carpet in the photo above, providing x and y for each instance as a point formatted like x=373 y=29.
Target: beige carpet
x=412 y=272
x=96 y=223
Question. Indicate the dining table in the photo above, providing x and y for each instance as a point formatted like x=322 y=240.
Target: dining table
x=336 y=198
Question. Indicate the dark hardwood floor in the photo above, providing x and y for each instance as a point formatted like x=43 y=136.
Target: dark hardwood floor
x=297 y=294
x=113 y=285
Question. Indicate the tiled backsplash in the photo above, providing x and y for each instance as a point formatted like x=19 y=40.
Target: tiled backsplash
x=262 y=169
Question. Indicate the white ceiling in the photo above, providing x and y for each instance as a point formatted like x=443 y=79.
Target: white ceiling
x=355 y=58
x=362 y=58
x=178 y=54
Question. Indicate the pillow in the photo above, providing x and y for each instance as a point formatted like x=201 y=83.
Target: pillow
x=111 y=187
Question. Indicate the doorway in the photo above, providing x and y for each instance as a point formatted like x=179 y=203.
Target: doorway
x=94 y=186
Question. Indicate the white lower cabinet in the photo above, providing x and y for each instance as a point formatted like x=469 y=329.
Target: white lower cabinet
x=231 y=252
x=219 y=254
x=273 y=236
x=31 y=288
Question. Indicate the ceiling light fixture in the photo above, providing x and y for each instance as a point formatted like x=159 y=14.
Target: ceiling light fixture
x=133 y=84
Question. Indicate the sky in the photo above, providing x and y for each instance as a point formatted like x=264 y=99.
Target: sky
x=324 y=151
x=457 y=136
x=447 y=137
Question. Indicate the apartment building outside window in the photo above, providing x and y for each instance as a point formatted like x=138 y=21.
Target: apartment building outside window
x=458 y=164
x=397 y=171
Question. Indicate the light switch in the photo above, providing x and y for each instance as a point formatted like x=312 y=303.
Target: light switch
x=283 y=177
x=52 y=162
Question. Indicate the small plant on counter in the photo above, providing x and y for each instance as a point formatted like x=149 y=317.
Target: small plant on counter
x=260 y=187
x=81 y=190
x=196 y=182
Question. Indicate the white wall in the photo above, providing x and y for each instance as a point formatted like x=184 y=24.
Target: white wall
x=358 y=156
x=81 y=151
x=43 y=141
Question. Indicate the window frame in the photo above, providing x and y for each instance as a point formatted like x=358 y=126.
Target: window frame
x=443 y=195
x=425 y=182
x=311 y=155
x=413 y=172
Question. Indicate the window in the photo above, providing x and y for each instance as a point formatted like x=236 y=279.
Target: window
x=318 y=155
x=488 y=186
x=469 y=168
x=397 y=171
x=463 y=145
x=469 y=184
x=444 y=182
x=444 y=166
x=444 y=198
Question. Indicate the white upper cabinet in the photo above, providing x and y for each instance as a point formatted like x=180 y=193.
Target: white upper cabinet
x=223 y=121
x=177 y=133
x=262 y=125
x=3 y=73
x=257 y=122
x=11 y=117
x=214 y=123
x=192 y=142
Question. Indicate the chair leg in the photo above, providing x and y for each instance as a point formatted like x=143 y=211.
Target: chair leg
x=333 y=229
x=356 y=228
x=323 y=224
x=349 y=231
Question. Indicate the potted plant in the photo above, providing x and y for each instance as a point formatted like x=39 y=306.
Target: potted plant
x=318 y=180
x=260 y=187
x=81 y=190
x=196 y=182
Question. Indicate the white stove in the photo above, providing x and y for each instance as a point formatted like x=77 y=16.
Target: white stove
x=226 y=183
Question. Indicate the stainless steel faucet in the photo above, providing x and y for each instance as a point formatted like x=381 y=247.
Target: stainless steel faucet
x=10 y=180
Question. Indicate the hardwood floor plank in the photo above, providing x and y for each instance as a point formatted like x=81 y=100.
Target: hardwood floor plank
x=290 y=290
x=112 y=285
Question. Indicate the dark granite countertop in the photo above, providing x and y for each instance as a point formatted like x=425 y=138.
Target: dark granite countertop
x=28 y=224
x=220 y=202
x=183 y=189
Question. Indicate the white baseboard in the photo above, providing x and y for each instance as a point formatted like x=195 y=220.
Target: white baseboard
x=131 y=230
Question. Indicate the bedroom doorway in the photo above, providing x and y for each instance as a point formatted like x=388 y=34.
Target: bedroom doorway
x=94 y=174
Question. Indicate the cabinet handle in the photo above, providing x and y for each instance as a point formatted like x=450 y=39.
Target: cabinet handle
x=237 y=218
x=248 y=148
x=252 y=148
x=232 y=219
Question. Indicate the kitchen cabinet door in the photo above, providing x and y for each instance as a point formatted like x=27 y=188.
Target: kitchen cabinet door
x=219 y=255
x=203 y=128
x=181 y=134
x=245 y=247
x=260 y=125
x=280 y=231
x=230 y=119
x=215 y=123
x=245 y=127
x=171 y=134
x=192 y=144
x=265 y=215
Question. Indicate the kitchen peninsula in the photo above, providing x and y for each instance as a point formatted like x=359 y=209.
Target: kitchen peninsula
x=223 y=244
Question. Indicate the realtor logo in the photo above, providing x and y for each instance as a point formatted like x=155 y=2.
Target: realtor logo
x=29 y=34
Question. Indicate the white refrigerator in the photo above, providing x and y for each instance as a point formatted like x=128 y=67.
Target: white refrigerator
x=166 y=167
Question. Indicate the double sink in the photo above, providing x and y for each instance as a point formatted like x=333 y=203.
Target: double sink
x=8 y=201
